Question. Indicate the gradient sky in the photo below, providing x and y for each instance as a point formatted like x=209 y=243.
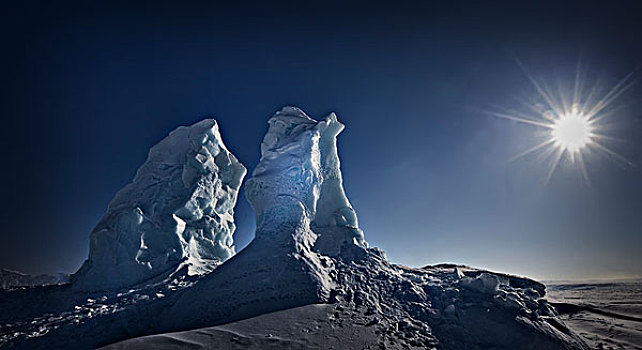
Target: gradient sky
x=89 y=88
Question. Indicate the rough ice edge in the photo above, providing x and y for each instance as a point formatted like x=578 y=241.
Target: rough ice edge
x=178 y=208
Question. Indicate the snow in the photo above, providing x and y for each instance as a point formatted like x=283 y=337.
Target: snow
x=606 y=315
x=308 y=265
x=484 y=283
x=305 y=327
x=179 y=207
x=409 y=309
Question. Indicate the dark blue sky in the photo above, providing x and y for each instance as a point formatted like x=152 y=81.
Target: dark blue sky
x=88 y=88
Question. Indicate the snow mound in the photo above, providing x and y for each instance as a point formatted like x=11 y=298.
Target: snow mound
x=178 y=209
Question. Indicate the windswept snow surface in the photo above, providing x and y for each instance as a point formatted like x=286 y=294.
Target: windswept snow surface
x=606 y=315
x=179 y=207
x=307 y=250
x=318 y=326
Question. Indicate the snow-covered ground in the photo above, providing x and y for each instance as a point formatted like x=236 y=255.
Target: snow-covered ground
x=376 y=305
x=606 y=315
x=306 y=327
x=609 y=316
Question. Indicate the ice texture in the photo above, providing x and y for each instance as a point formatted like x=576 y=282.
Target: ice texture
x=178 y=209
x=303 y=218
x=298 y=178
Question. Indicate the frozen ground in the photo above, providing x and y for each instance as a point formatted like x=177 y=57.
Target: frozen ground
x=377 y=305
x=606 y=315
x=305 y=327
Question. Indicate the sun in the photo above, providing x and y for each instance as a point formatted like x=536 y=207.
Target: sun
x=573 y=120
x=572 y=132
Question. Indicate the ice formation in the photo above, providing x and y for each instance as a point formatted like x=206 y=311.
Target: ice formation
x=303 y=219
x=308 y=249
x=298 y=179
x=178 y=209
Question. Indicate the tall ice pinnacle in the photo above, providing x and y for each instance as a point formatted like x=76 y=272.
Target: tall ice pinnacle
x=304 y=226
x=298 y=177
x=178 y=209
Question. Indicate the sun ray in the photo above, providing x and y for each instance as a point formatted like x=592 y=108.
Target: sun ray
x=531 y=150
x=517 y=113
x=612 y=153
x=556 y=160
x=613 y=94
x=536 y=109
x=606 y=137
x=564 y=102
x=603 y=115
x=542 y=92
x=517 y=119
x=589 y=99
x=577 y=88
x=546 y=154
x=580 y=159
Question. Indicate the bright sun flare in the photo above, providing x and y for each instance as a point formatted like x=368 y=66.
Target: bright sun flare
x=574 y=123
x=572 y=132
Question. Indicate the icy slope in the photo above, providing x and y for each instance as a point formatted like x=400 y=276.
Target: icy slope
x=178 y=208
